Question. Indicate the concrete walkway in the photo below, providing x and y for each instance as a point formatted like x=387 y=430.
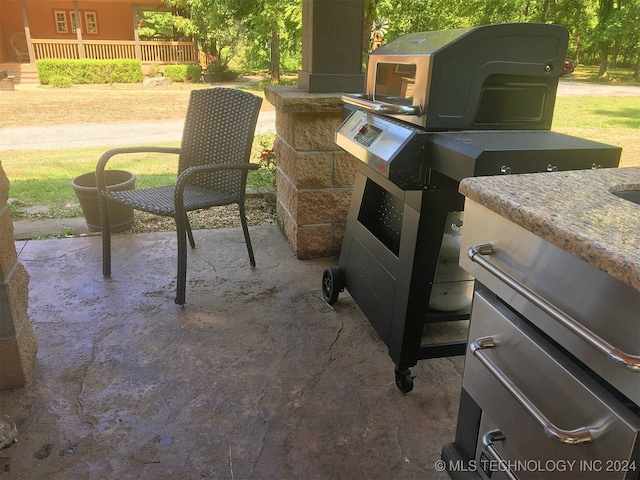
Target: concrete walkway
x=104 y=134
x=567 y=88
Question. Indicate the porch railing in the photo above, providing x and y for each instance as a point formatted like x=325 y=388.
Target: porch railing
x=161 y=52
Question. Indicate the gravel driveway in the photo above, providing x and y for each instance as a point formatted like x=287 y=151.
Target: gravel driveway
x=103 y=134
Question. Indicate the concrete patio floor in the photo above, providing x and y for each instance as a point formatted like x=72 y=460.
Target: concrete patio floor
x=256 y=378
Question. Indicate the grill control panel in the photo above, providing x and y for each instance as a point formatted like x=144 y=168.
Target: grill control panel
x=392 y=148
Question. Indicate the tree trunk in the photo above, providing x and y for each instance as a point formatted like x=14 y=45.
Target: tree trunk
x=545 y=11
x=213 y=50
x=369 y=13
x=579 y=32
x=636 y=74
x=604 y=53
x=274 y=61
x=605 y=9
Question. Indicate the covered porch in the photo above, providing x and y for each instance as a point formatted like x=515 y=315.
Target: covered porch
x=31 y=30
x=256 y=378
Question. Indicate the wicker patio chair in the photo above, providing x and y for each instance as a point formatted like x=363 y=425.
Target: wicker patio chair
x=212 y=170
x=18 y=43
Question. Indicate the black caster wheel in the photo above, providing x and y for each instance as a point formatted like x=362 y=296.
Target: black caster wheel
x=332 y=285
x=404 y=380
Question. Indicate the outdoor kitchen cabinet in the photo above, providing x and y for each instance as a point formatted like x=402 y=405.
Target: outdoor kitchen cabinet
x=551 y=386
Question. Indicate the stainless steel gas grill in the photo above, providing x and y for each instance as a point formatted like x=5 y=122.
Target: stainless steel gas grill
x=439 y=107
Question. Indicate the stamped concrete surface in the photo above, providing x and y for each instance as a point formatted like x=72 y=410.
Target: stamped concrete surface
x=256 y=378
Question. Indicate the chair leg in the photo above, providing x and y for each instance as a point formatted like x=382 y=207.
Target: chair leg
x=192 y=242
x=105 y=224
x=247 y=239
x=181 y=277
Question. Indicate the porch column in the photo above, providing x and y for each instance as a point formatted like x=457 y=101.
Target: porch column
x=136 y=35
x=76 y=12
x=18 y=344
x=314 y=176
x=27 y=31
x=332 y=46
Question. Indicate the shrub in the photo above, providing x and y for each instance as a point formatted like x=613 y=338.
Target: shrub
x=60 y=81
x=183 y=73
x=90 y=70
x=154 y=70
x=221 y=73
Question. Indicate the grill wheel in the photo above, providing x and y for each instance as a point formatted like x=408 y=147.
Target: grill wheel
x=332 y=285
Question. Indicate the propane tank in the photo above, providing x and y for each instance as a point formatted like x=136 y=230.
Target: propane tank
x=452 y=288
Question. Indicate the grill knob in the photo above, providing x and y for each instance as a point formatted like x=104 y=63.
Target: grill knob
x=505 y=169
x=552 y=168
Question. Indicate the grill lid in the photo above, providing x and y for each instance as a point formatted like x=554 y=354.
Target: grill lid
x=422 y=43
x=500 y=76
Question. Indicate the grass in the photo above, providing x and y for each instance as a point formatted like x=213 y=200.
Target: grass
x=43 y=177
x=612 y=120
x=33 y=105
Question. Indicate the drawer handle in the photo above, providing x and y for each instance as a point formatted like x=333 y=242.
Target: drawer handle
x=631 y=362
x=487 y=440
x=570 y=437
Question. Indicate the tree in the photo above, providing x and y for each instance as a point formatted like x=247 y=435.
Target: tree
x=623 y=28
x=604 y=11
x=224 y=26
x=273 y=21
x=214 y=23
x=601 y=31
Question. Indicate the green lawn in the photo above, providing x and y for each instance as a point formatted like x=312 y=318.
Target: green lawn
x=43 y=178
x=612 y=120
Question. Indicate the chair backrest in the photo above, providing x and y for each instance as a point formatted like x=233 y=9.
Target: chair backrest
x=19 y=44
x=219 y=129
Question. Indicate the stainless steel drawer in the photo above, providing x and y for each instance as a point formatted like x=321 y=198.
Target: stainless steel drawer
x=555 y=420
x=593 y=315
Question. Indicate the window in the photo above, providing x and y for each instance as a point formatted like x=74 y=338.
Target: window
x=61 y=21
x=90 y=22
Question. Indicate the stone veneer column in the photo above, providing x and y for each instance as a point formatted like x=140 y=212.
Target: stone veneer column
x=18 y=344
x=314 y=176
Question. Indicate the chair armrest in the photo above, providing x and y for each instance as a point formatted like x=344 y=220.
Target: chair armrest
x=100 y=181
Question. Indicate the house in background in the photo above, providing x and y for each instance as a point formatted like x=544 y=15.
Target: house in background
x=31 y=30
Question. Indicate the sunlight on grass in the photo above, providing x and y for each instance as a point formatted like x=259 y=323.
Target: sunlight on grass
x=611 y=120
x=601 y=112
x=614 y=76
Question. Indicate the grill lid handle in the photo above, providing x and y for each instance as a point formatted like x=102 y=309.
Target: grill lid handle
x=366 y=102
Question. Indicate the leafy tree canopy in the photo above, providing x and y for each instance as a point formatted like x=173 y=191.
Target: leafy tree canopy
x=605 y=32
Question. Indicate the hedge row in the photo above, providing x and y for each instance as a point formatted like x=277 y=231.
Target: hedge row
x=90 y=71
x=183 y=73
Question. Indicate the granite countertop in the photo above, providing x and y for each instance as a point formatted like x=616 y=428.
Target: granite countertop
x=574 y=211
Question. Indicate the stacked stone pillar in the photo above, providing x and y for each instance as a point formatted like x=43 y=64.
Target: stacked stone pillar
x=314 y=176
x=18 y=344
